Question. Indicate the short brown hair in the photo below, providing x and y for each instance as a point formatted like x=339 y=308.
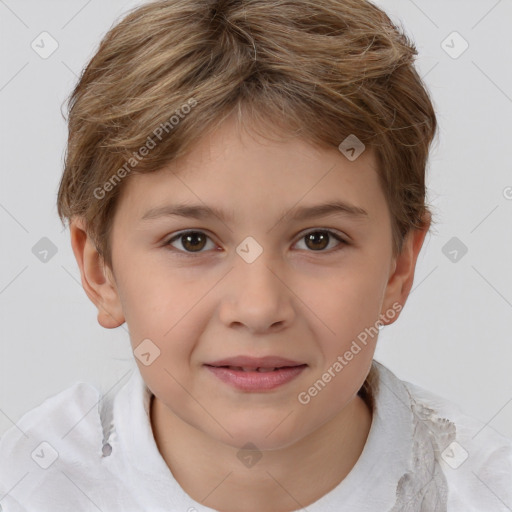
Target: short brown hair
x=321 y=70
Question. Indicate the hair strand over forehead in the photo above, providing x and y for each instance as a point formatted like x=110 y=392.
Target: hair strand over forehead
x=322 y=72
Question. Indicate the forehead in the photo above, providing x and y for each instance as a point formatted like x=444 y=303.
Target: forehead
x=243 y=174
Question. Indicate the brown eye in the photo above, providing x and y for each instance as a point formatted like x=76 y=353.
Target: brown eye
x=319 y=240
x=191 y=241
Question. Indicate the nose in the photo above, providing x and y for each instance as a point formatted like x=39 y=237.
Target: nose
x=257 y=297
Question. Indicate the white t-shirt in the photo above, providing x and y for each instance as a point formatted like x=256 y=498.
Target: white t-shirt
x=79 y=451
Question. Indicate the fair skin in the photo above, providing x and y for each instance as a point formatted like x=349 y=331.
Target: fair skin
x=299 y=299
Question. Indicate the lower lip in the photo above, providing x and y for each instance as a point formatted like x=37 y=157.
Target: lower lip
x=254 y=380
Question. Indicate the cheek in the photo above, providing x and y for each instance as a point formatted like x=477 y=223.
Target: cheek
x=155 y=298
x=352 y=301
x=174 y=317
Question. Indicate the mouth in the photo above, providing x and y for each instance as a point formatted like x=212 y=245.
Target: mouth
x=256 y=374
x=261 y=369
x=255 y=363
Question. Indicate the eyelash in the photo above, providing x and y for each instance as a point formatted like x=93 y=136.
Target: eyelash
x=187 y=254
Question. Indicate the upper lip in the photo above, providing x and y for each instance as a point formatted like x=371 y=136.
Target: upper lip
x=256 y=362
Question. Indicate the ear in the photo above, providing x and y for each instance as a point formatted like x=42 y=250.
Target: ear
x=97 y=278
x=402 y=272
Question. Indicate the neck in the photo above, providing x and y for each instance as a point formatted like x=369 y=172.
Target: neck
x=283 y=480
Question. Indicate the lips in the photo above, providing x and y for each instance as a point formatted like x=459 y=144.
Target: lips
x=256 y=374
x=261 y=364
x=249 y=369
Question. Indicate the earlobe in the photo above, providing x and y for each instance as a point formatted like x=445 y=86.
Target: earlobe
x=97 y=279
x=402 y=273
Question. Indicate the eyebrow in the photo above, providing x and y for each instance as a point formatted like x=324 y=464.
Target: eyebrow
x=200 y=212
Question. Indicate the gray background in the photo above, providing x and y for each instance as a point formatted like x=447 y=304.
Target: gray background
x=454 y=335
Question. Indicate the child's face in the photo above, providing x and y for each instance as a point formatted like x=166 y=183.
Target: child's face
x=303 y=299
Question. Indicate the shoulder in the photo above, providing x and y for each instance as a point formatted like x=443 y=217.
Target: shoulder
x=63 y=432
x=477 y=461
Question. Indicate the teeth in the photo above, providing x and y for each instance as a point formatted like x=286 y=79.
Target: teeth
x=239 y=368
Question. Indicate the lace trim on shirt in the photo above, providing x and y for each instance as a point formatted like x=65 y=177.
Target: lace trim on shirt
x=424 y=488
